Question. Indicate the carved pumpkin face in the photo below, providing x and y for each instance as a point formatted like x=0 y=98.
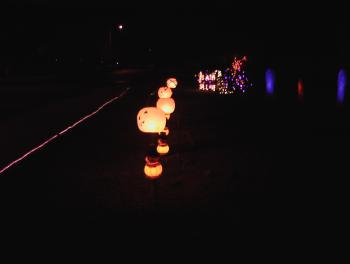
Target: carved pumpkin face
x=171 y=83
x=151 y=120
x=167 y=105
x=165 y=92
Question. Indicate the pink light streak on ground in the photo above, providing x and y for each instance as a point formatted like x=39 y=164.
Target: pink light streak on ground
x=37 y=148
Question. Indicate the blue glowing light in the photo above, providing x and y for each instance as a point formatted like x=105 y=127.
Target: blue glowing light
x=341 y=86
x=270 y=81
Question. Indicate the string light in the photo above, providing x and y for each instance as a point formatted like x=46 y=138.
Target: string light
x=61 y=133
x=230 y=81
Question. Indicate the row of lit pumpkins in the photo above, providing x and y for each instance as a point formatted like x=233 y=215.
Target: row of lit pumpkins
x=153 y=120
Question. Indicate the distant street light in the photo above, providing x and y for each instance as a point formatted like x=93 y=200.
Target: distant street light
x=119 y=27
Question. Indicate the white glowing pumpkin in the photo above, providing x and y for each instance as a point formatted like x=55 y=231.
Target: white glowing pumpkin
x=151 y=120
x=171 y=83
x=167 y=105
x=165 y=92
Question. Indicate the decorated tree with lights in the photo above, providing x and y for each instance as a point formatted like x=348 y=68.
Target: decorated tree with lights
x=238 y=79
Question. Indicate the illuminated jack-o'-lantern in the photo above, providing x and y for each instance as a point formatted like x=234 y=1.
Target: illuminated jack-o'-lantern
x=153 y=169
x=167 y=105
x=151 y=120
x=163 y=147
x=165 y=92
x=171 y=83
x=165 y=132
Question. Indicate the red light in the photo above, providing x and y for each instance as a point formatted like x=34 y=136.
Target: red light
x=300 y=89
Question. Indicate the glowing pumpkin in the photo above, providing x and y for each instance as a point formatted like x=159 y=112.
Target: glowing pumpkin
x=165 y=132
x=165 y=92
x=153 y=169
x=163 y=147
x=171 y=83
x=167 y=105
x=151 y=120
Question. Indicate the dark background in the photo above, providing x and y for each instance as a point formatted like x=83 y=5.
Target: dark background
x=66 y=42
x=37 y=31
x=72 y=39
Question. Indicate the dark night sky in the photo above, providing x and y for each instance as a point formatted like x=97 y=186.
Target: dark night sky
x=35 y=28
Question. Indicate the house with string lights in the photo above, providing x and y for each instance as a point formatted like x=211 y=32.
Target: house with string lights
x=232 y=80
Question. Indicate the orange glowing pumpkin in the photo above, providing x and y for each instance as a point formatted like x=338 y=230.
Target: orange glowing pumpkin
x=163 y=147
x=165 y=92
x=167 y=105
x=171 y=83
x=153 y=169
x=151 y=120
